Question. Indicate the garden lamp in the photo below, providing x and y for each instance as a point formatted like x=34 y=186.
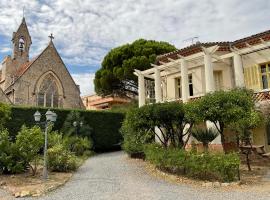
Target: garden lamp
x=49 y=115
x=37 y=116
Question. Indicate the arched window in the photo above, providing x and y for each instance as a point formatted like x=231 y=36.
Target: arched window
x=21 y=44
x=48 y=94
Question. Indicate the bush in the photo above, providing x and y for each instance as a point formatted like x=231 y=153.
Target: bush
x=105 y=124
x=222 y=167
x=11 y=160
x=134 y=139
x=29 y=142
x=4 y=114
x=61 y=160
x=76 y=144
x=205 y=136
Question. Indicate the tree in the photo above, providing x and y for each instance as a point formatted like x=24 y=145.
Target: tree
x=116 y=74
x=243 y=129
x=224 y=108
x=170 y=119
x=29 y=142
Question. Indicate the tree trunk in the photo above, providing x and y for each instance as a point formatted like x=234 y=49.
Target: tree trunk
x=205 y=147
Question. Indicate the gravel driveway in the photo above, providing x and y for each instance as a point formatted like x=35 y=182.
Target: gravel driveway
x=111 y=176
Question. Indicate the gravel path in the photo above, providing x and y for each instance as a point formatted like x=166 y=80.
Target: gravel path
x=111 y=176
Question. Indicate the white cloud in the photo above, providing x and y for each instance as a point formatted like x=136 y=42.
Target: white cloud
x=85 y=30
x=5 y=49
x=85 y=81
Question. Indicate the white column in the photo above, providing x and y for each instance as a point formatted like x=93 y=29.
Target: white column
x=157 y=86
x=184 y=80
x=209 y=73
x=141 y=88
x=238 y=70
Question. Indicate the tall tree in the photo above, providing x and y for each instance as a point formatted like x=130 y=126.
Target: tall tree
x=116 y=74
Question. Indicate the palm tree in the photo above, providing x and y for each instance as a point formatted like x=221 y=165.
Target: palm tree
x=205 y=136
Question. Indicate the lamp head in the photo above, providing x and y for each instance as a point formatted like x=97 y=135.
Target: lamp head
x=37 y=116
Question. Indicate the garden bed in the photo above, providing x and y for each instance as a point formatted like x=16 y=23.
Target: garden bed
x=22 y=185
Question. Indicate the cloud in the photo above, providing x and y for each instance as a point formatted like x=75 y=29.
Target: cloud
x=85 y=81
x=86 y=30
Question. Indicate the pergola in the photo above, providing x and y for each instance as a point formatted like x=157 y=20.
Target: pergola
x=206 y=57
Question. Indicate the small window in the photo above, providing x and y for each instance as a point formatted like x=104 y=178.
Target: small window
x=178 y=88
x=21 y=44
x=265 y=76
x=190 y=85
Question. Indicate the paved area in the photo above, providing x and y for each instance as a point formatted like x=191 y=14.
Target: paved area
x=112 y=177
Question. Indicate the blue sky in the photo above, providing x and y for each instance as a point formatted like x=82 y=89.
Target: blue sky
x=85 y=30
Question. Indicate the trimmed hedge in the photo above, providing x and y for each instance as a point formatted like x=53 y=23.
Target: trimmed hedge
x=105 y=124
x=221 y=167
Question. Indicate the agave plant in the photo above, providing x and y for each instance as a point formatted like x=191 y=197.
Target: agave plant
x=205 y=136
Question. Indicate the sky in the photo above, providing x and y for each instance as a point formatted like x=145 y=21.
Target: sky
x=85 y=30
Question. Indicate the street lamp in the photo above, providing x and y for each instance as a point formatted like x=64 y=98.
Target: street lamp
x=77 y=126
x=50 y=118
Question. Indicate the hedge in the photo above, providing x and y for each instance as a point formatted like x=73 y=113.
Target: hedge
x=221 y=167
x=105 y=124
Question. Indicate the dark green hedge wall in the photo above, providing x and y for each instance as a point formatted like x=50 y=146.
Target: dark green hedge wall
x=105 y=124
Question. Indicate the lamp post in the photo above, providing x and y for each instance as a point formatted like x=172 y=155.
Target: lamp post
x=77 y=126
x=50 y=118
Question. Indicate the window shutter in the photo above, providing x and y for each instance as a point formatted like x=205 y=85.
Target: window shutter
x=252 y=78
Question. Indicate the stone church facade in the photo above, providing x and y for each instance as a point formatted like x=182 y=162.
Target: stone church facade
x=43 y=81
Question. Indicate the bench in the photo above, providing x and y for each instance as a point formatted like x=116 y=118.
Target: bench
x=259 y=149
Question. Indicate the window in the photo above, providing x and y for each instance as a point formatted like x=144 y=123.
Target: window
x=21 y=44
x=150 y=90
x=265 y=76
x=190 y=85
x=268 y=133
x=178 y=90
x=218 y=80
x=48 y=95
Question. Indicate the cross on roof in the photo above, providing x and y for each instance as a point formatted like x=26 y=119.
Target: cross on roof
x=51 y=36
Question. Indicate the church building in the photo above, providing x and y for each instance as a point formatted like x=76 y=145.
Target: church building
x=42 y=81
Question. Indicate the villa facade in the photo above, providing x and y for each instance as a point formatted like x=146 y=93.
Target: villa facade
x=201 y=68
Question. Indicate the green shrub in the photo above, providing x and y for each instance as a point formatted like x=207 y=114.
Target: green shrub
x=105 y=124
x=4 y=114
x=29 y=142
x=134 y=139
x=11 y=160
x=222 y=167
x=60 y=159
x=54 y=138
x=76 y=144
x=205 y=136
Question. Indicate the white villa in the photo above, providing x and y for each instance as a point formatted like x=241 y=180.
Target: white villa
x=195 y=70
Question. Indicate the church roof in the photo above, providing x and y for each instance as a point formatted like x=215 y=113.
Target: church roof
x=22 y=25
x=4 y=98
x=24 y=67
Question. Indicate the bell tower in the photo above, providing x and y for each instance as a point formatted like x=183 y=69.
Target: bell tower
x=21 y=44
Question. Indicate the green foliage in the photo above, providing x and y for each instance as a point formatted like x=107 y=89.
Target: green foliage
x=29 y=142
x=69 y=129
x=116 y=75
x=205 y=136
x=105 y=124
x=133 y=137
x=4 y=114
x=124 y=108
x=221 y=167
x=10 y=156
x=60 y=159
x=225 y=108
x=76 y=144
x=170 y=119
